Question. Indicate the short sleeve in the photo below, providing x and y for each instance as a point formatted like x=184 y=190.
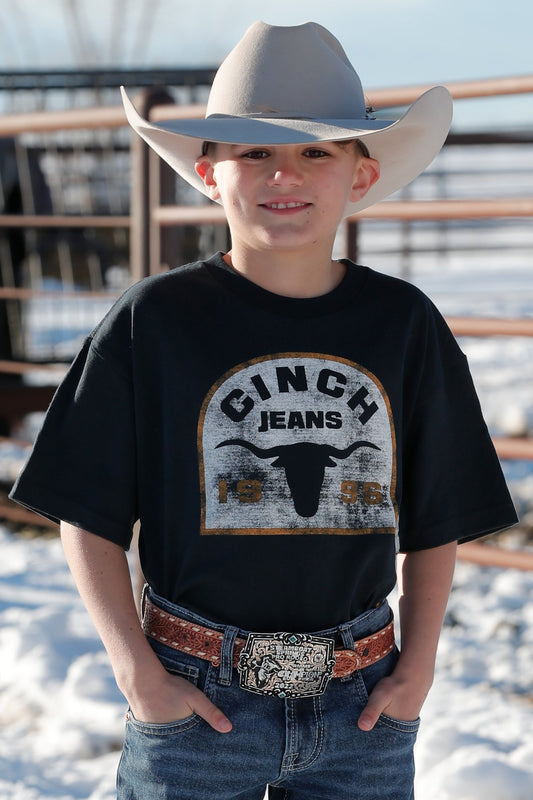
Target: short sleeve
x=82 y=468
x=453 y=485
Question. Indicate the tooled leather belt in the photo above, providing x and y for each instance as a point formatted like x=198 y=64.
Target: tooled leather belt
x=206 y=643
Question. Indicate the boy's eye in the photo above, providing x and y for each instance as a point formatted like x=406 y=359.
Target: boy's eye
x=315 y=152
x=255 y=154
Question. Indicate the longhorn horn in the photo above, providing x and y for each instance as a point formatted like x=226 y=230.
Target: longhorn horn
x=336 y=453
x=260 y=452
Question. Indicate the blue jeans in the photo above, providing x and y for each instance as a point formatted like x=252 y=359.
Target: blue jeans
x=303 y=749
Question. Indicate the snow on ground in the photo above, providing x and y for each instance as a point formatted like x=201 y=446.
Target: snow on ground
x=476 y=741
x=61 y=712
x=62 y=715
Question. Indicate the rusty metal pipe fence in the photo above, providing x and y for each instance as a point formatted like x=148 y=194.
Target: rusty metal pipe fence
x=148 y=217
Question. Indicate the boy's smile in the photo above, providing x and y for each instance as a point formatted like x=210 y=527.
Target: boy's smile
x=286 y=206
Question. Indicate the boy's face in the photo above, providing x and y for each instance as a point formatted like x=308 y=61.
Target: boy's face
x=286 y=197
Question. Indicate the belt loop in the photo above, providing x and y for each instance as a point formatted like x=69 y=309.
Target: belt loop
x=347 y=636
x=225 y=671
x=348 y=642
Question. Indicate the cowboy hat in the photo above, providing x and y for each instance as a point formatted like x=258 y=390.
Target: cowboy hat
x=293 y=85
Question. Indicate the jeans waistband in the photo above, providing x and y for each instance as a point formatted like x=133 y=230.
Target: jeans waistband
x=343 y=634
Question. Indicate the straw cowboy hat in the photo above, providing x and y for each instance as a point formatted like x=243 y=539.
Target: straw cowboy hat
x=293 y=85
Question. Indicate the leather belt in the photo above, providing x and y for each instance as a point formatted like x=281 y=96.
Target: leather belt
x=206 y=643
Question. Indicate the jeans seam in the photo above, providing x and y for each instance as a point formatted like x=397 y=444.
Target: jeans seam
x=165 y=729
x=319 y=737
x=290 y=755
x=360 y=686
x=400 y=725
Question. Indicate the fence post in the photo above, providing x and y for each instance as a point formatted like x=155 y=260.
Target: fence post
x=140 y=231
x=351 y=248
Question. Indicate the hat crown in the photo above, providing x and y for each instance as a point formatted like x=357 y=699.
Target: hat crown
x=296 y=72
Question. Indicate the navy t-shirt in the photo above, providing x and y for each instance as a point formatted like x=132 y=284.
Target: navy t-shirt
x=278 y=451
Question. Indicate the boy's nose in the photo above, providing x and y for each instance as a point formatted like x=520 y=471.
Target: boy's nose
x=285 y=172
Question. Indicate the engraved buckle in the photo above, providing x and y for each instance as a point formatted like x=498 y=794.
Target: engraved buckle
x=286 y=664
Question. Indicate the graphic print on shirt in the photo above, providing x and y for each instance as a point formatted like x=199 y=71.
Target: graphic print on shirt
x=297 y=443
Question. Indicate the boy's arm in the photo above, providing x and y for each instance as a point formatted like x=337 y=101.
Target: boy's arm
x=101 y=573
x=424 y=591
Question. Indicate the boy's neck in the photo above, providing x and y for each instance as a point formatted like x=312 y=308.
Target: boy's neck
x=288 y=274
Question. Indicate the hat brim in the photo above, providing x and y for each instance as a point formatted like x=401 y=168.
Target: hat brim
x=403 y=147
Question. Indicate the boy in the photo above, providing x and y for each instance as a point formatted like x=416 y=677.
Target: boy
x=282 y=424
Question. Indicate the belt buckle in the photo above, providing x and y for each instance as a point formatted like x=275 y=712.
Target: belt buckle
x=286 y=665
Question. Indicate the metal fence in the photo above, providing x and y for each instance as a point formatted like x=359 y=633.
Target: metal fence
x=65 y=196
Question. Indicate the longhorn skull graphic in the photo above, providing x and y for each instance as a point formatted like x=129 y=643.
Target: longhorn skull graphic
x=304 y=464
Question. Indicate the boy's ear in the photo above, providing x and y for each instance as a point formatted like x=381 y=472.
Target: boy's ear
x=204 y=169
x=367 y=174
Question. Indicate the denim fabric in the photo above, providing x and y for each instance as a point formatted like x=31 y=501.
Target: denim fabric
x=304 y=749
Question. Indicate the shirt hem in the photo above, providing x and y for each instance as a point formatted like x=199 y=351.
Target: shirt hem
x=465 y=529
x=58 y=509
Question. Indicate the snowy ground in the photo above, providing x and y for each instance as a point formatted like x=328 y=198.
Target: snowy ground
x=61 y=713
x=62 y=716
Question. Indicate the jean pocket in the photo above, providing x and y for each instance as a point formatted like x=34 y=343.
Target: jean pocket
x=400 y=725
x=366 y=680
x=160 y=729
x=195 y=670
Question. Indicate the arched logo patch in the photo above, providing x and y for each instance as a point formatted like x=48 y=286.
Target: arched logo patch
x=297 y=443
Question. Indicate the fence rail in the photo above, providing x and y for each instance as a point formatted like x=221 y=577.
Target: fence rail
x=64 y=221
x=460 y=90
x=70 y=120
x=169 y=215
x=492 y=556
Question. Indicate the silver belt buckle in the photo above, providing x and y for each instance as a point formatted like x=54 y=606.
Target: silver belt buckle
x=286 y=664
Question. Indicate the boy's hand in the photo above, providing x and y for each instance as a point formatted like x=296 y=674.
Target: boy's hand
x=425 y=580
x=398 y=699
x=174 y=700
